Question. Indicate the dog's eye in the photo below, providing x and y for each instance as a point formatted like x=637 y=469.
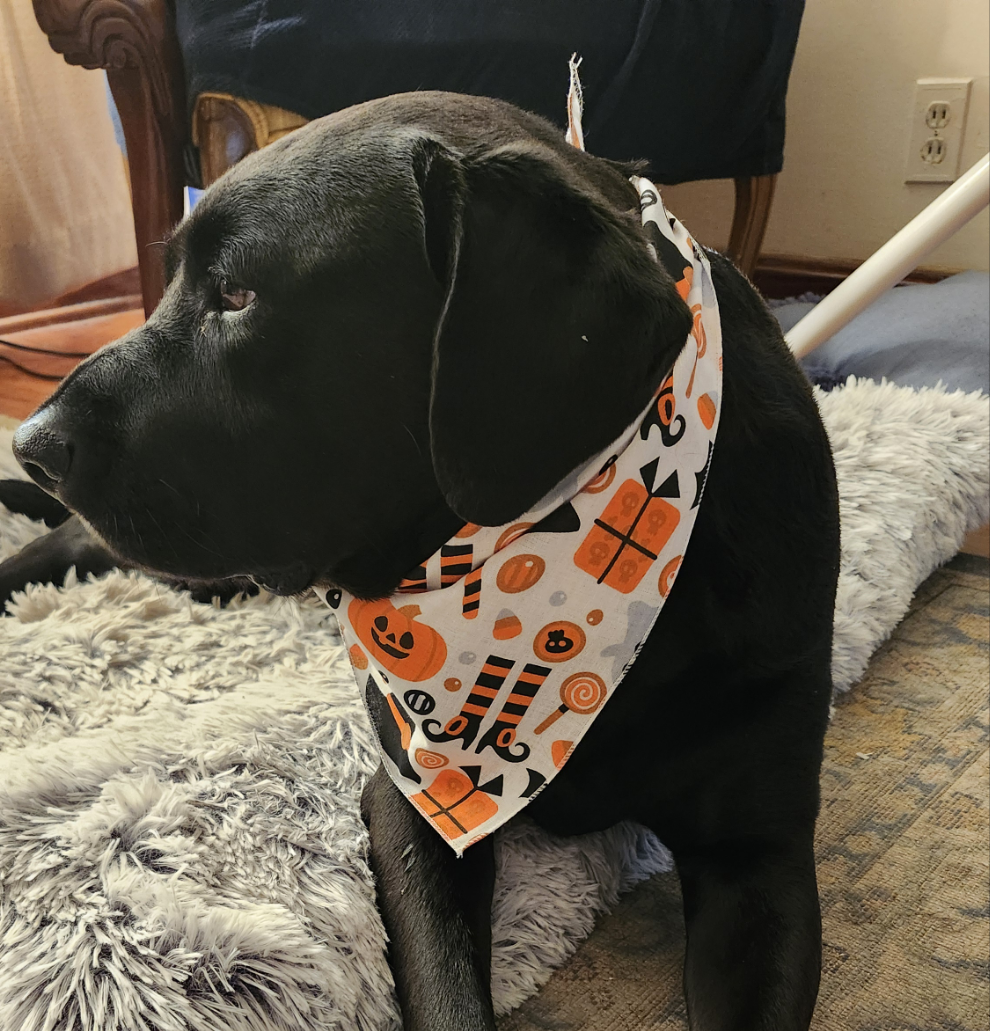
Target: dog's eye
x=233 y=297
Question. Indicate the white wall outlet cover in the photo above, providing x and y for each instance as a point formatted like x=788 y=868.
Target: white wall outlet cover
x=938 y=124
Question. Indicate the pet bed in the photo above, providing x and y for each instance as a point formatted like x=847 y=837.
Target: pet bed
x=180 y=846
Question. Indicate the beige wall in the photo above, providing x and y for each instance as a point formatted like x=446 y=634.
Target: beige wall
x=842 y=192
x=65 y=212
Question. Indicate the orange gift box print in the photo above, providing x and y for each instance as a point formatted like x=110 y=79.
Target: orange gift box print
x=492 y=658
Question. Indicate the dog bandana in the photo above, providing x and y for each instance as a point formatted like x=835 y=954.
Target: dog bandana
x=487 y=667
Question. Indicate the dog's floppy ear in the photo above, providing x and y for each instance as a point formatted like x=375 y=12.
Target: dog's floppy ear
x=557 y=324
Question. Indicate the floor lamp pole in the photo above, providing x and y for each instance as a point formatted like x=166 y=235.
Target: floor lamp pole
x=896 y=258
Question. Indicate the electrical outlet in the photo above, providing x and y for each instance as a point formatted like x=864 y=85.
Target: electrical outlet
x=938 y=122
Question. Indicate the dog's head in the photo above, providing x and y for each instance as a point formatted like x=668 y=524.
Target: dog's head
x=422 y=311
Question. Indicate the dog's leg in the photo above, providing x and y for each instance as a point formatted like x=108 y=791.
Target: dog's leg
x=753 y=936
x=30 y=500
x=437 y=912
x=49 y=558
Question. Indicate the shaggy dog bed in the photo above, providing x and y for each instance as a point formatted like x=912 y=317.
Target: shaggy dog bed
x=180 y=845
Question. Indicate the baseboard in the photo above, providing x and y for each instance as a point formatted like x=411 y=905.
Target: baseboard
x=978 y=542
x=788 y=275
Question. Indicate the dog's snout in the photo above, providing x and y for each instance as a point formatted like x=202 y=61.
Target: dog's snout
x=44 y=450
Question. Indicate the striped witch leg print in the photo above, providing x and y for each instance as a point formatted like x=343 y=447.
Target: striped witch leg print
x=472 y=594
x=465 y=725
x=455 y=562
x=501 y=735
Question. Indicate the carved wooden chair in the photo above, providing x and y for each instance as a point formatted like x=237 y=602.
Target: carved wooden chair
x=135 y=41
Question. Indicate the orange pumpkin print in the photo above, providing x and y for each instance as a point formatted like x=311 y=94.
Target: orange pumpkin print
x=468 y=530
x=706 y=409
x=409 y=649
x=520 y=573
x=358 y=659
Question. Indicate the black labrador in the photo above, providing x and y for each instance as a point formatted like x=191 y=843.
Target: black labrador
x=368 y=338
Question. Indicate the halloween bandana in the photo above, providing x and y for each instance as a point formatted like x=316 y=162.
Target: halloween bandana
x=489 y=664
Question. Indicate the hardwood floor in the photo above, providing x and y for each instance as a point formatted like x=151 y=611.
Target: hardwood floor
x=38 y=348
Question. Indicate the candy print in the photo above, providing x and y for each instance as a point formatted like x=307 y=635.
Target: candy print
x=507 y=626
x=515 y=531
x=603 y=480
x=582 y=693
x=559 y=751
x=706 y=409
x=559 y=641
x=519 y=573
x=430 y=760
x=482 y=690
x=667 y=575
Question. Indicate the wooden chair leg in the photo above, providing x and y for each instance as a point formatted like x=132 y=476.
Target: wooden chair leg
x=135 y=41
x=754 y=197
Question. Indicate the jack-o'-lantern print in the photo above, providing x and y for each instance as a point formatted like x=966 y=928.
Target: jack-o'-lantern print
x=404 y=646
x=495 y=683
x=559 y=641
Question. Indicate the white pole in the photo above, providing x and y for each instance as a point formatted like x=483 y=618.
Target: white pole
x=895 y=259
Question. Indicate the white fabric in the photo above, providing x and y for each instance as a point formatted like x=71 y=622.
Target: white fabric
x=518 y=634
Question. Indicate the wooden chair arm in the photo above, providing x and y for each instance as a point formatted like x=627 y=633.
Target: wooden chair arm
x=135 y=41
x=754 y=197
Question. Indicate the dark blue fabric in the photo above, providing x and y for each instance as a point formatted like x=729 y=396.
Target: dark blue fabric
x=696 y=87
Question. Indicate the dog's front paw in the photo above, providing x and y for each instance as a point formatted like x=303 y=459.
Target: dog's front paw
x=49 y=558
x=30 y=500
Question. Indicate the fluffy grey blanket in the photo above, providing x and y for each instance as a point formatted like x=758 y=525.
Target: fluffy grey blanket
x=180 y=846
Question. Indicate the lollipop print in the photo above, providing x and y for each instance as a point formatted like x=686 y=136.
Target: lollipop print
x=582 y=693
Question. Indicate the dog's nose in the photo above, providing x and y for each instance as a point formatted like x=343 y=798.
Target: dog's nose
x=43 y=450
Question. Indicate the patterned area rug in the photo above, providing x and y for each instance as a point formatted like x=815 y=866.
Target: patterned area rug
x=180 y=848
x=902 y=853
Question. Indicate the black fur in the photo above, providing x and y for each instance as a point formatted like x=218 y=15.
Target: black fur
x=427 y=268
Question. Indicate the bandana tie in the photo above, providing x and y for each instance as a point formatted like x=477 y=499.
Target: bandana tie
x=488 y=665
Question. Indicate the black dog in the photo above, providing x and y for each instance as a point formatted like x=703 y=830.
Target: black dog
x=370 y=336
